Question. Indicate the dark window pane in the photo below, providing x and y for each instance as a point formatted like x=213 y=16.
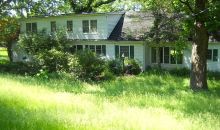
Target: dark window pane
x=161 y=55
x=69 y=25
x=34 y=27
x=132 y=52
x=92 y=48
x=28 y=27
x=85 y=24
x=93 y=24
x=172 y=56
x=116 y=51
x=104 y=50
x=209 y=54
x=53 y=26
x=215 y=55
x=98 y=49
x=153 y=55
x=166 y=54
x=72 y=49
x=79 y=47
x=179 y=58
x=124 y=50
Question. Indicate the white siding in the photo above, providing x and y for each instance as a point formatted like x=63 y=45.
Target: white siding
x=105 y=24
x=214 y=65
x=110 y=51
x=110 y=48
x=139 y=54
x=211 y=65
x=112 y=20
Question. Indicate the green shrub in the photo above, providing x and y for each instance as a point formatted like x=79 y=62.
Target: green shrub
x=132 y=67
x=53 y=60
x=91 y=65
x=107 y=75
x=19 y=68
x=115 y=66
x=180 y=71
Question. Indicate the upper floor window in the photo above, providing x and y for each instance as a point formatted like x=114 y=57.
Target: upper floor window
x=69 y=25
x=212 y=54
x=31 y=27
x=93 y=26
x=126 y=51
x=53 y=26
x=89 y=26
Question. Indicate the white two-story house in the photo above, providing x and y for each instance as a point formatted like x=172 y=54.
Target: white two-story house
x=114 y=34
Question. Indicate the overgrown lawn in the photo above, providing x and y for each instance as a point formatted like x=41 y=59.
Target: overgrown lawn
x=150 y=101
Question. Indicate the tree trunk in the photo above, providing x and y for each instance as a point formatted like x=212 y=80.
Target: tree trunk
x=9 y=50
x=198 y=78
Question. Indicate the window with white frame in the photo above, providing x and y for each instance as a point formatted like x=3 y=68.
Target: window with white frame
x=168 y=55
x=212 y=55
x=31 y=27
x=89 y=26
x=53 y=26
x=76 y=48
x=126 y=51
x=98 y=49
x=69 y=25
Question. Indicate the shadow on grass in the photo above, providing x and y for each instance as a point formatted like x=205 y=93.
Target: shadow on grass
x=15 y=116
x=168 y=90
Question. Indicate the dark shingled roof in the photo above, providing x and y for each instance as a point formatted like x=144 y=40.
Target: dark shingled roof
x=136 y=24
x=132 y=26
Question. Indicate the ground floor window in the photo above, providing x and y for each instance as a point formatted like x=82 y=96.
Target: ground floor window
x=126 y=51
x=212 y=54
x=168 y=55
x=153 y=55
x=76 y=48
x=98 y=49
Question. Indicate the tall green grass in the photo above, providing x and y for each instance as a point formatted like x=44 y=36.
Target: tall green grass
x=149 y=101
x=3 y=53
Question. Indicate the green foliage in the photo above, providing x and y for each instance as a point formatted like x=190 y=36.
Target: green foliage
x=132 y=67
x=53 y=60
x=91 y=65
x=19 y=68
x=88 y=5
x=115 y=66
x=47 y=51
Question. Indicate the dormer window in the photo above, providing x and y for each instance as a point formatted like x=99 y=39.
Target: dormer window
x=69 y=26
x=31 y=27
x=53 y=26
x=89 y=26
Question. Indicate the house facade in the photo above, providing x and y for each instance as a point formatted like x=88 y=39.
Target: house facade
x=114 y=34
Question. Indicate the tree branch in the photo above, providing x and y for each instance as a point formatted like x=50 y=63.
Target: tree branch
x=186 y=2
x=103 y=3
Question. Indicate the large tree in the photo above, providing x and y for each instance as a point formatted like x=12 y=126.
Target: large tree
x=203 y=14
x=9 y=29
x=166 y=27
x=80 y=6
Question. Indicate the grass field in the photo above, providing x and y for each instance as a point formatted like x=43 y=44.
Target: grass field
x=149 y=101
